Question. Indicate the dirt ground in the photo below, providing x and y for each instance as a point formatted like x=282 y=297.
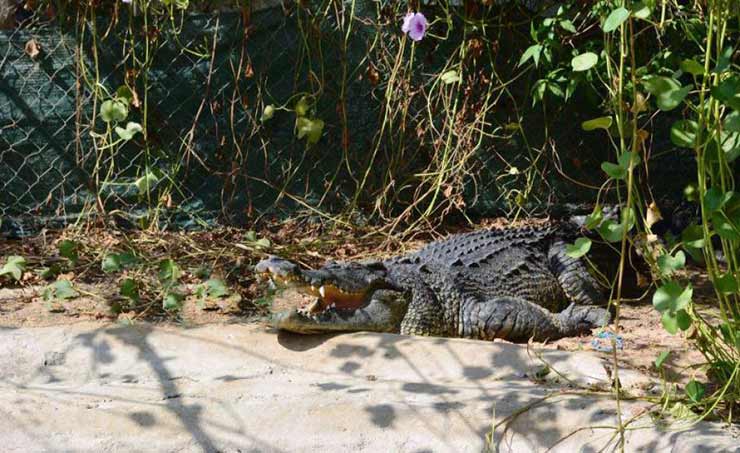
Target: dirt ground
x=224 y=252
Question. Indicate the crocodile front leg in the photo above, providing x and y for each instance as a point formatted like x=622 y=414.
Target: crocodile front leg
x=579 y=285
x=517 y=320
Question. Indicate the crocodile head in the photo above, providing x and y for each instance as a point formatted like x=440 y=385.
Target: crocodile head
x=338 y=296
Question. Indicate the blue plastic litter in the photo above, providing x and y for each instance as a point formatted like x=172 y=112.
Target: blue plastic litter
x=603 y=342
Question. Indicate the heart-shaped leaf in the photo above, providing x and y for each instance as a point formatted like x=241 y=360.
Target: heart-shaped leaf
x=131 y=130
x=613 y=170
x=169 y=271
x=579 y=248
x=146 y=182
x=449 y=77
x=692 y=67
x=309 y=128
x=714 y=199
x=669 y=264
x=113 y=111
x=672 y=297
x=725 y=228
x=172 y=301
x=68 y=249
x=732 y=122
x=695 y=390
x=728 y=92
x=216 y=288
x=727 y=283
x=129 y=289
x=61 y=289
x=671 y=99
x=683 y=133
x=14 y=266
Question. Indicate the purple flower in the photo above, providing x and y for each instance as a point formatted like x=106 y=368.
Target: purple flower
x=415 y=24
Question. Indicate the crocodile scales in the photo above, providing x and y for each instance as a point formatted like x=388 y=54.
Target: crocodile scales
x=510 y=283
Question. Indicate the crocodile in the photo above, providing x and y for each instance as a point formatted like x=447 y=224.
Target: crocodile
x=511 y=283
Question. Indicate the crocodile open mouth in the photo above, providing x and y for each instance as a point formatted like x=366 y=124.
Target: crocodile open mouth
x=323 y=297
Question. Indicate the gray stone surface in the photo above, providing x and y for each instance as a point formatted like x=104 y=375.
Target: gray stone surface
x=233 y=388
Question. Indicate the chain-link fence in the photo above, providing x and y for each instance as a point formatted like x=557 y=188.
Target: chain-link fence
x=209 y=154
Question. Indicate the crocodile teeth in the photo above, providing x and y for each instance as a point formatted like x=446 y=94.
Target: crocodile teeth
x=314 y=307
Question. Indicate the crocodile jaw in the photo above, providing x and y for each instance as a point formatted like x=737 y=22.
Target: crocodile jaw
x=382 y=312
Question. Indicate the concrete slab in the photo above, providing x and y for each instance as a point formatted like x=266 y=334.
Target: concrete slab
x=233 y=388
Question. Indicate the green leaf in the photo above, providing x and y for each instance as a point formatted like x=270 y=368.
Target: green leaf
x=449 y=77
x=61 y=289
x=172 y=301
x=732 y=122
x=115 y=262
x=301 y=107
x=48 y=273
x=669 y=264
x=657 y=85
x=579 y=248
x=567 y=25
x=671 y=99
x=613 y=170
x=603 y=122
x=692 y=67
x=14 y=267
x=727 y=283
x=728 y=92
x=641 y=11
x=730 y=145
x=672 y=297
x=628 y=156
x=169 y=271
x=661 y=359
x=695 y=390
x=111 y=263
x=693 y=241
x=615 y=19
x=68 y=249
x=723 y=62
x=533 y=52
x=124 y=93
x=669 y=321
x=584 y=62
x=113 y=111
x=683 y=320
x=311 y=129
x=267 y=113
x=611 y=231
x=250 y=236
x=594 y=219
x=145 y=183
x=216 y=288
x=131 y=130
x=262 y=243
x=714 y=199
x=683 y=133
x=129 y=289
x=725 y=228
